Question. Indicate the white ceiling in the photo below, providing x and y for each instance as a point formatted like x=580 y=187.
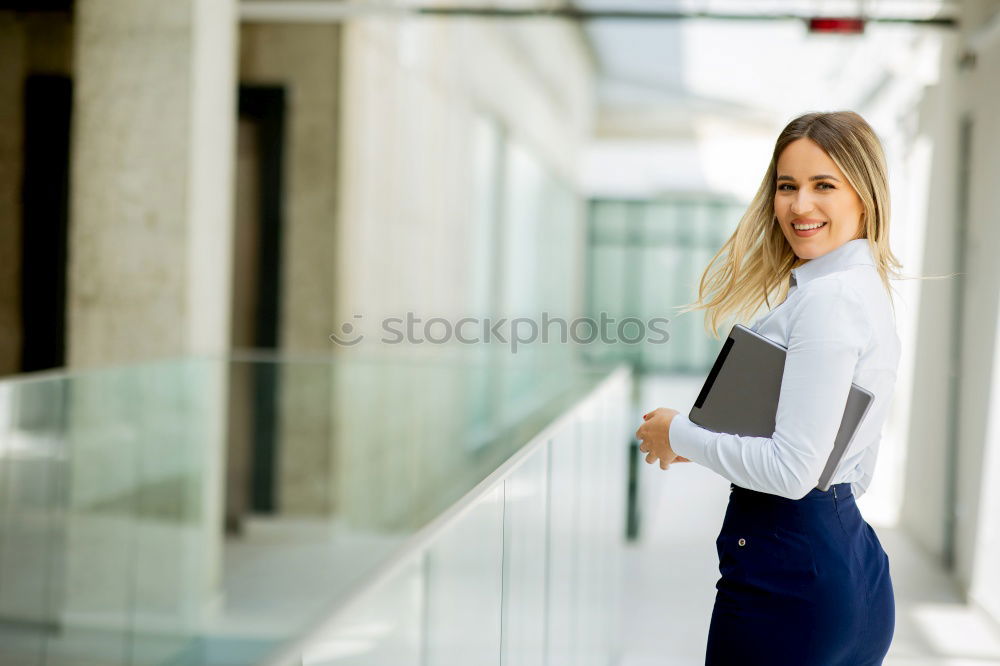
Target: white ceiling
x=695 y=104
x=657 y=77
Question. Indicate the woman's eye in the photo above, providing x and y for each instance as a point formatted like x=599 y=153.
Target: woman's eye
x=782 y=186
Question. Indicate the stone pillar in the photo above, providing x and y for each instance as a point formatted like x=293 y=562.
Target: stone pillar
x=153 y=132
x=149 y=277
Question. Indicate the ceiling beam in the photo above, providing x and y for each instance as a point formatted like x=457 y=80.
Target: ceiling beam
x=578 y=14
x=319 y=10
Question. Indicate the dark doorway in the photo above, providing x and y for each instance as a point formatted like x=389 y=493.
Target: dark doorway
x=256 y=302
x=262 y=115
x=48 y=101
x=37 y=5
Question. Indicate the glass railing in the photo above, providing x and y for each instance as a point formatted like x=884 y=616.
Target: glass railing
x=235 y=511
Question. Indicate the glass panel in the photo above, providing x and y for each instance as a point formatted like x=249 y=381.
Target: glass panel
x=660 y=293
x=464 y=587
x=609 y=222
x=525 y=563
x=524 y=191
x=486 y=146
x=32 y=518
x=614 y=449
x=609 y=280
x=660 y=223
x=564 y=470
x=646 y=258
x=204 y=511
x=383 y=627
x=587 y=571
x=560 y=269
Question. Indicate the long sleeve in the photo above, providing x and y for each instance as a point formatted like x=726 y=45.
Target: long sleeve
x=828 y=333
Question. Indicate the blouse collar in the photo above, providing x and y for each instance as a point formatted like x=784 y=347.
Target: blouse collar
x=852 y=253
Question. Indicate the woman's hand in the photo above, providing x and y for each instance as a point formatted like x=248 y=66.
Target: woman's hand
x=646 y=417
x=655 y=437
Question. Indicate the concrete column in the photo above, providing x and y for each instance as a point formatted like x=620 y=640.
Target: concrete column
x=154 y=118
x=149 y=276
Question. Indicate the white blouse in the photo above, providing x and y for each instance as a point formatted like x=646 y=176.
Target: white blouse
x=838 y=327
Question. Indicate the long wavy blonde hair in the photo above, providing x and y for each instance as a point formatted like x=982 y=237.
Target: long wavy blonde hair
x=753 y=267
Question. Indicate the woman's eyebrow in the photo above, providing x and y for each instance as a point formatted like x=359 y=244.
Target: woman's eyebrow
x=819 y=177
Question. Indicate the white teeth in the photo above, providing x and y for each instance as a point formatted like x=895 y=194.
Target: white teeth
x=806 y=227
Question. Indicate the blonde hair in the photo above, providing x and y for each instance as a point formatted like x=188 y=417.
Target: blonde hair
x=754 y=264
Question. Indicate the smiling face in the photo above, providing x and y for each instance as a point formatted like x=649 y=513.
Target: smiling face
x=811 y=190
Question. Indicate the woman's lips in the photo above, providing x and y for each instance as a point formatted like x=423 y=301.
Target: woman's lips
x=809 y=232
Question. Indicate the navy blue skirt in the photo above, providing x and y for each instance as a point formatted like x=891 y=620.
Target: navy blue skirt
x=804 y=583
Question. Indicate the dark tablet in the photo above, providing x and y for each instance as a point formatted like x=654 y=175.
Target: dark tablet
x=740 y=395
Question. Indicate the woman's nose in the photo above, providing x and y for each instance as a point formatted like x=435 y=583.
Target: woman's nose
x=802 y=203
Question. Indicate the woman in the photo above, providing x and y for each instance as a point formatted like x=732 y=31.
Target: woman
x=804 y=579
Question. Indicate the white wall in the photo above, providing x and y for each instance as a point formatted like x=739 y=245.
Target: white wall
x=428 y=106
x=413 y=95
x=978 y=536
x=919 y=424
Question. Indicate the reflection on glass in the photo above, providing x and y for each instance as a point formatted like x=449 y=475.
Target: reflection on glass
x=645 y=258
x=207 y=511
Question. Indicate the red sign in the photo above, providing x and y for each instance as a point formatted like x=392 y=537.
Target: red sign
x=838 y=25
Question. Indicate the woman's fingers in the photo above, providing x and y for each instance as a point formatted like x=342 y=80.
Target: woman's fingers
x=664 y=465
